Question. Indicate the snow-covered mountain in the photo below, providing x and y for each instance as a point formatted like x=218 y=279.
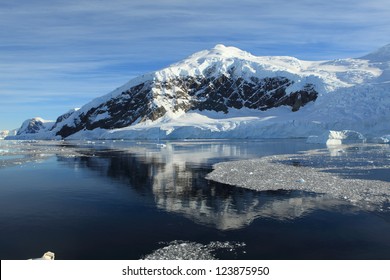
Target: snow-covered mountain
x=228 y=93
x=35 y=128
x=5 y=133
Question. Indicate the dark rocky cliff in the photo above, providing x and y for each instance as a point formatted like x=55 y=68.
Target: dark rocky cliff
x=191 y=93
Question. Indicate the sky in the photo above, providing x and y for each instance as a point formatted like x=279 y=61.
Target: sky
x=59 y=54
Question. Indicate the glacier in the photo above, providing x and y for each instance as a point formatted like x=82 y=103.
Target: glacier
x=225 y=92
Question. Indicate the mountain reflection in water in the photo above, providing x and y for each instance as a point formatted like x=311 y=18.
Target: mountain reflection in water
x=173 y=176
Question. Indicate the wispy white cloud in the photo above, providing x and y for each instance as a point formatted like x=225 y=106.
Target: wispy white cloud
x=84 y=48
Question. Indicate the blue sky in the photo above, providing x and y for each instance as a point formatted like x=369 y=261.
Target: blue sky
x=59 y=54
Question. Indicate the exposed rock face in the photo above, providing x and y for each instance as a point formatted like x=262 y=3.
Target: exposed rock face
x=190 y=93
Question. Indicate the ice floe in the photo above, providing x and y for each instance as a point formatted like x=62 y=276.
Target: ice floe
x=185 y=250
x=357 y=174
x=15 y=153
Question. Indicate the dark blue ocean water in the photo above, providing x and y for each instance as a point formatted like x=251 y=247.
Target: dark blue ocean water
x=124 y=200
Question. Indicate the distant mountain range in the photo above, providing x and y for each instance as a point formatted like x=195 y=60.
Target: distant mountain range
x=225 y=92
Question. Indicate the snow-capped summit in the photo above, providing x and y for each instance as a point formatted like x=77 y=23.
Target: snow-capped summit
x=220 y=51
x=226 y=92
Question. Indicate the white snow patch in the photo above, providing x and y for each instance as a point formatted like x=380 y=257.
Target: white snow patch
x=102 y=116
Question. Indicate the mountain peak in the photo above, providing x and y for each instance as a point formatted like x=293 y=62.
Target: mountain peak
x=227 y=51
x=380 y=55
x=220 y=47
x=219 y=51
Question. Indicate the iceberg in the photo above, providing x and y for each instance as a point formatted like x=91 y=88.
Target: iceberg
x=333 y=137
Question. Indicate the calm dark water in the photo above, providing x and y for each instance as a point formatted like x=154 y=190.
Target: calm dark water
x=124 y=200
